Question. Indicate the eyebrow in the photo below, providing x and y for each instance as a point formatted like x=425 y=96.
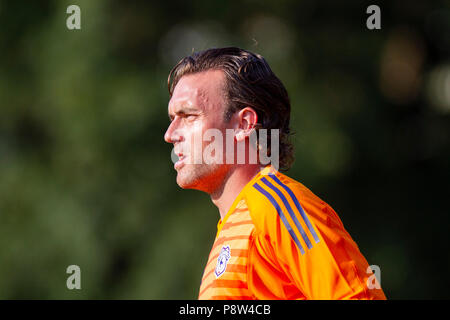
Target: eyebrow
x=183 y=110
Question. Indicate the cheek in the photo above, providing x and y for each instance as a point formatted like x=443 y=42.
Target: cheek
x=194 y=136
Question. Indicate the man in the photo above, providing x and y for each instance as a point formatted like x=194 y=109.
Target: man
x=275 y=238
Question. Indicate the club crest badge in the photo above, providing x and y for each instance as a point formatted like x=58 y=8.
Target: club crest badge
x=222 y=261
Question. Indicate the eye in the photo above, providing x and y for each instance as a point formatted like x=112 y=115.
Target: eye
x=190 y=116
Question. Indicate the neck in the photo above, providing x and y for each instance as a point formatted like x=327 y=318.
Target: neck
x=234 y=182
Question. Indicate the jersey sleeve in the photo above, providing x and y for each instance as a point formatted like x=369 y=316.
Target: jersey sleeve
x=300 y=249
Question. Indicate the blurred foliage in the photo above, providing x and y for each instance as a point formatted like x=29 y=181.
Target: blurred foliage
x=86 y=178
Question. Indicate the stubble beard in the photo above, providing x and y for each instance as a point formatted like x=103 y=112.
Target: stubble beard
x=203 y=177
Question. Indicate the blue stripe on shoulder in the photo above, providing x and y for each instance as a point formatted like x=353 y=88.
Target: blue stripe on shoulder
x=281 y=215
x=298 y=206
x=289 y=209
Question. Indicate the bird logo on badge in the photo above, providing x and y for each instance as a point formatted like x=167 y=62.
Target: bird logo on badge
x=222 y=261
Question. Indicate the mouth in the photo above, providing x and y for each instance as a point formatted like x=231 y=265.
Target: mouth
x=180 y=162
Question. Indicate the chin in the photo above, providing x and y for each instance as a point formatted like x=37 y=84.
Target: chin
x=200 y=178
x=184 y=184
x=186 y=180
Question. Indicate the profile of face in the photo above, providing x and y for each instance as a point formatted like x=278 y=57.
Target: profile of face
x=196 y=106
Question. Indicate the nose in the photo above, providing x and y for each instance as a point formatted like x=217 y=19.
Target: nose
x=172 y=134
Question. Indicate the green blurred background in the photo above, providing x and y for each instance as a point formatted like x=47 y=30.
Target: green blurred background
x=86 y=177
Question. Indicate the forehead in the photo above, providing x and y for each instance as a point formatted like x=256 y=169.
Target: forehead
x=201 y=90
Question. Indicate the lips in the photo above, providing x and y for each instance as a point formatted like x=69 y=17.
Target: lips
x=180 y=161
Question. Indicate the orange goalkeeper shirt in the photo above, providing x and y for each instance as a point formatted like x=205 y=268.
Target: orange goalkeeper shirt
x=280 y=241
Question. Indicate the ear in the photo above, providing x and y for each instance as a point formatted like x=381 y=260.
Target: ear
x=247 y=120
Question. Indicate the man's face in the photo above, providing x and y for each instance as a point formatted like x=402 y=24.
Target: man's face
x=197 y=104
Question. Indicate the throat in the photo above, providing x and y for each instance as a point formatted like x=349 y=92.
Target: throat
x=236 y=179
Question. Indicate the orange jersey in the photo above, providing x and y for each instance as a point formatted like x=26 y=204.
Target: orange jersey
x=280 y=241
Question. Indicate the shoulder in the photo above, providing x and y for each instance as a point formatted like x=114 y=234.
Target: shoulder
x=302 y=236
x=280 y=204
